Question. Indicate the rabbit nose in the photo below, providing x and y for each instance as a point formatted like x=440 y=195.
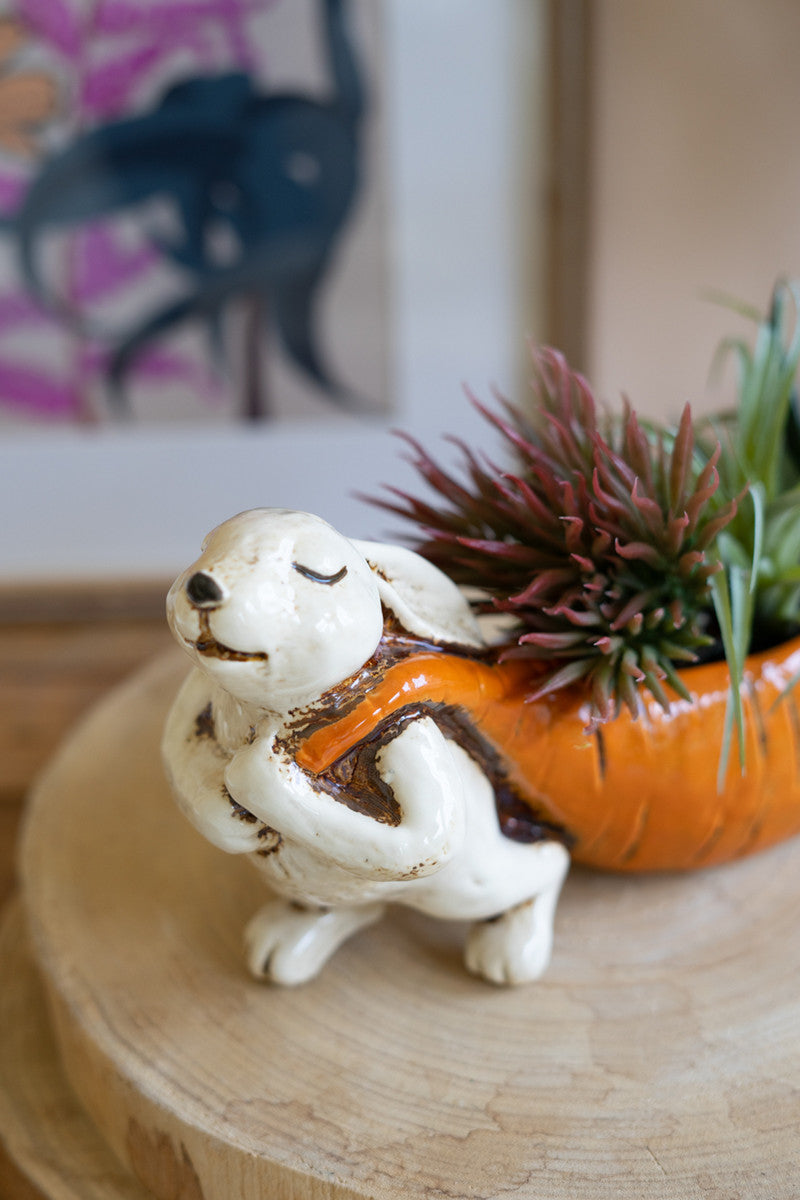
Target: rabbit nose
x=203 y=591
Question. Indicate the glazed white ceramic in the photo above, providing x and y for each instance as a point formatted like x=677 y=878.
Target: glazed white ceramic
x=277 y=610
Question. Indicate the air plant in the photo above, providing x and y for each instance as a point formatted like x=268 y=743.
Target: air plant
x=599 y=542
x=757 y=595
x=760 y=449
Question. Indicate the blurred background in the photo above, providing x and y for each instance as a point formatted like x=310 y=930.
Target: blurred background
x=694 y=186
x=241 y=240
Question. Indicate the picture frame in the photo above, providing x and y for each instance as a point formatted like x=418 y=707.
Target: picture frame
x=466 y=117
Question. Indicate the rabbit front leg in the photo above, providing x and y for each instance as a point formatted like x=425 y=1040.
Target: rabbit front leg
x=195 y=765
x=418 y=767
x=289 y=944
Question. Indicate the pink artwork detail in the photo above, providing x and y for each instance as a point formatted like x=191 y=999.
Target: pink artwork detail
x=160 y=366
x=114 y=47
x=12 y=189
x=132 y=17
x=108 y=88
x=104 y=265
x=17 y=310
x=139 y=208
x=56 y=22
x=27 y=388
x=157 y=364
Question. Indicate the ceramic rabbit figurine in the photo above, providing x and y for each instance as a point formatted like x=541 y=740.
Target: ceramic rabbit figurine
x=323 y=732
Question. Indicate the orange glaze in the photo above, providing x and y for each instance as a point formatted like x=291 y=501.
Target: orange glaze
x=635 y=795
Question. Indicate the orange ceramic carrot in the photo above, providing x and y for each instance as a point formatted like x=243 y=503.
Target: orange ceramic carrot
x=601 y=541
x=629 y=795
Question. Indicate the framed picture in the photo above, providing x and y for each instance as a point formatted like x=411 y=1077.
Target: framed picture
x=241 y=241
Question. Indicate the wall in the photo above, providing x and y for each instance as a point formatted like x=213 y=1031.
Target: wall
x=695 y=179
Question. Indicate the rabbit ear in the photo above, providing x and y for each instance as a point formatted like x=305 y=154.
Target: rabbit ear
x=424 y=600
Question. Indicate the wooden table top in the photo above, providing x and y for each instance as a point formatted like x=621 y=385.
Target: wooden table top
x=53 y=670
x=59 y=654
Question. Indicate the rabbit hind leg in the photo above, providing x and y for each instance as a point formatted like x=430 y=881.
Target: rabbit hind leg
x=515 y=946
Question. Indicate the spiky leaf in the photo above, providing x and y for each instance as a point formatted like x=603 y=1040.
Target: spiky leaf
x=596 y=539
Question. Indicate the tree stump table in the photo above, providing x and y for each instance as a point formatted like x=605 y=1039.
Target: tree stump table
x=658 y=1058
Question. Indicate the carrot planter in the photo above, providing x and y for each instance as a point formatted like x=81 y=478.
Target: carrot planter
x=629 y=795
x=349 y=727
x=619 y=547
x=650 y=799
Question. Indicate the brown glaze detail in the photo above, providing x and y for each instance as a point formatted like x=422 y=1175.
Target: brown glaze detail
x=158 y=1166
x=204 y=723
x=600 y=747
x=707 y=847
x=666 y=761
x=354 y=779
x=753 y=835
x=266 y=851
x=399 y=642
x=267 y=831
x=239 y=810
x=642 y=817
x=209 y=647
x=520 y=818
x=396 y=645
x=521 y=823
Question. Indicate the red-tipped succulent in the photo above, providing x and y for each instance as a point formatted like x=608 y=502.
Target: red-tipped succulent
x=597 y=540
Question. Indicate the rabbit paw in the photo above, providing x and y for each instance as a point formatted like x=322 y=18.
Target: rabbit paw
x=512 y=948
x=289 y=945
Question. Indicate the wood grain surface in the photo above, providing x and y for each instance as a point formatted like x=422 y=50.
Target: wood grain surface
x=659 y=1058
x=61 y=648
x=48 y=1132
x=52 y=669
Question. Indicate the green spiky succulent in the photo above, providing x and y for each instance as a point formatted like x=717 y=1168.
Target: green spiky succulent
x=757 y=595
x=598 y=541
x=761 y=451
